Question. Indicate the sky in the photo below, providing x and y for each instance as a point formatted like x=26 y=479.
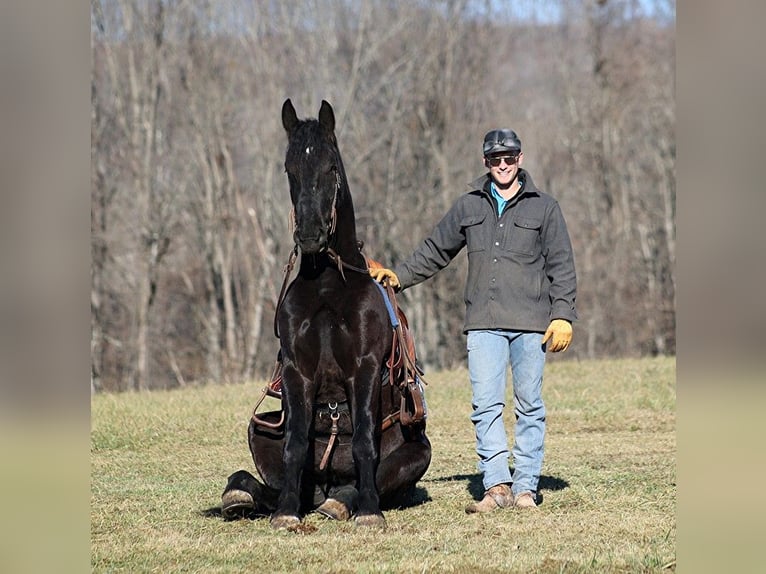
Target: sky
x=548 y=11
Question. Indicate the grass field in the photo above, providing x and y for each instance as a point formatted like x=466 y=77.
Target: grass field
x=160 y=459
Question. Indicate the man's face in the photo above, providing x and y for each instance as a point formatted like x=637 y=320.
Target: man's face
x=503 y=167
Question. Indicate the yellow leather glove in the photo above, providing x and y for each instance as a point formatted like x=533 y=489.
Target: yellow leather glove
x=381 y=273
x=561 y=331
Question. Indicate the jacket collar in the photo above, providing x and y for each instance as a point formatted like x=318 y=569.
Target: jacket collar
x=481 y=184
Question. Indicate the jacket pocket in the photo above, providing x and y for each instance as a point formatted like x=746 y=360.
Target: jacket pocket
x=473 y=230
x=524 y=236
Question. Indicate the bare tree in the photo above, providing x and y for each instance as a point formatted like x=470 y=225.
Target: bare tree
x=190 y=204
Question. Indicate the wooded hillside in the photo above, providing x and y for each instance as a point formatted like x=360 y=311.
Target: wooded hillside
x=189 y=197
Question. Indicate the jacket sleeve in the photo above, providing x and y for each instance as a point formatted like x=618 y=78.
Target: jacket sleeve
x=435 y=252
x=559 y=265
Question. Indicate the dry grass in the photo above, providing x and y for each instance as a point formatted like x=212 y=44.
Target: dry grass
x=158 y=460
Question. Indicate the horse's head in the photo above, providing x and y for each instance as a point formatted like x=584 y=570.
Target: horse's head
x=314 y=171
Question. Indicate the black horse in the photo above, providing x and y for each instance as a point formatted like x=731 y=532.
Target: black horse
x=336 y=336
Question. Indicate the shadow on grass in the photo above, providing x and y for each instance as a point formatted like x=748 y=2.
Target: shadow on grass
x=475 y=486
x=215 y=512
x=410 y=498
x=413 y=496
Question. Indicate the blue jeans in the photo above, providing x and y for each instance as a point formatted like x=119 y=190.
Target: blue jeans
x=489 y=353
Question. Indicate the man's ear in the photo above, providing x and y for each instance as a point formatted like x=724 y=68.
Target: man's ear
x=486 y=163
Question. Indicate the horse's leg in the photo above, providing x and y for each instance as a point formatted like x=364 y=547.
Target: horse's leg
x=297 y=395
x=244 y=496
x=402 y=468
x=364 y=444
x=266 y=448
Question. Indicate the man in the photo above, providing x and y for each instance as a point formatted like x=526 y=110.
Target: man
x=520 y=301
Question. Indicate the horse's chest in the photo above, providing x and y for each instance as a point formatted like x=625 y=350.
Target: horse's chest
x=323 y=321
x=329 y=324
x=332 y=322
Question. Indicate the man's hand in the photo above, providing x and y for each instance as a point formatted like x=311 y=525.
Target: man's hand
x=381 y=273
x=561 y=331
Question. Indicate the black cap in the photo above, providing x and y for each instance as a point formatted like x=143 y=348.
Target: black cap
x=501 y=140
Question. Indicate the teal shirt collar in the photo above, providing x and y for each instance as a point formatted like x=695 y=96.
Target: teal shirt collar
x=501 y=201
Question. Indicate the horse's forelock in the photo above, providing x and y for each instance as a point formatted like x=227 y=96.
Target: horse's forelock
x=308 y=142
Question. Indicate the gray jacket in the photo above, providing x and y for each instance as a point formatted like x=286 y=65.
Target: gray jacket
x=521 y=271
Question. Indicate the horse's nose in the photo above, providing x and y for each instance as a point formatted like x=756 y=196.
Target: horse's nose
x=309 y=242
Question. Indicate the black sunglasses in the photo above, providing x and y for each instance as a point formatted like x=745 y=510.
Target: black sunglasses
x=497 y=160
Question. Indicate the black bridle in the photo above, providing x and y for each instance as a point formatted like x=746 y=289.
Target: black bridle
x=331 y=253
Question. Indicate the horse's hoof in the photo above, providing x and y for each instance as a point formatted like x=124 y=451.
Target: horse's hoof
x=236 y=504
x=370 y=521
x=334 y=509
x=284 y=522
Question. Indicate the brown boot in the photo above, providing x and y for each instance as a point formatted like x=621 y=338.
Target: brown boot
x=525 y=500
x=498 y=496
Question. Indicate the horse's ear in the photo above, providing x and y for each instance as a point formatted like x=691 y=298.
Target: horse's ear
x=327 y=117
x=289 y=117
